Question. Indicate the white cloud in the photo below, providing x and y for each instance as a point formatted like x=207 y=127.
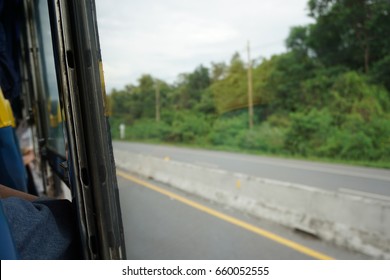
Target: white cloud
x=165 y=38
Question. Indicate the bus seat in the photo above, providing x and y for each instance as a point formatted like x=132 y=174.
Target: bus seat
x=7 y=246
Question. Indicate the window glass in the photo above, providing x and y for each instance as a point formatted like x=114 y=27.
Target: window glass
x=56 y=137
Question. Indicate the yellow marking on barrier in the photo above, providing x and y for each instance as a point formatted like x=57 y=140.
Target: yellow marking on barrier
x=238 y=184
x=281 y=240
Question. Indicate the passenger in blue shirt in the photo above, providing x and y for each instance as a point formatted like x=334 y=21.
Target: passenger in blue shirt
x=41 y=228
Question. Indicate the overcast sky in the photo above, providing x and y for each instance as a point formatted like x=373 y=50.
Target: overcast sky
x=167 y=37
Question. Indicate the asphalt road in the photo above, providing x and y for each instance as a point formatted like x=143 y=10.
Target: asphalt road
x=367 y=182
x=163 y=223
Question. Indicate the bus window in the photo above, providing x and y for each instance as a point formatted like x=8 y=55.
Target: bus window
x=55 y=139
x=64 y=89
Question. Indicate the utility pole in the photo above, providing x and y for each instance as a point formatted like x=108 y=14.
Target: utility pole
x=250 y=89
x=157 y=100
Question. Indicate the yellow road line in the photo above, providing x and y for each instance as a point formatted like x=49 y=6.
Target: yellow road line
x=281 y=240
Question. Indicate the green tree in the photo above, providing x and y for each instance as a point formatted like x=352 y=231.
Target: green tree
x=145 y=93
x=380 y=72
x=285 y=81
x=297 y=40
x=218 y=71
x=125 y=104
x=231 y=92
x=350 y=32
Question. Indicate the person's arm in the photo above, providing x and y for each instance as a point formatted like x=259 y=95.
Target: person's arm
x=28 y=156
x=41 y=229
x=8 y=192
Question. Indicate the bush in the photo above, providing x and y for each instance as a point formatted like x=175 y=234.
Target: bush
x=226 y=131
x=147 y=129
x=378 y=130
x=308 y=131
x=351 y=93
x=188 y=127
x=265 y=138
x=358 y=139
x=345 y=145
x=281 y=121
x=114 y=126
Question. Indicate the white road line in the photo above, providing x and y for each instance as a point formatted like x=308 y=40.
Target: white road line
x=206 y=164
x=313 y=168
x=365 y=194
x=238 y=157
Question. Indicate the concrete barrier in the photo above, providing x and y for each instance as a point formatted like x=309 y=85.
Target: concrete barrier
x=354 y=222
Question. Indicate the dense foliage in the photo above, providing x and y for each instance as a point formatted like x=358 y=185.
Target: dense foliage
x=327 y=96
